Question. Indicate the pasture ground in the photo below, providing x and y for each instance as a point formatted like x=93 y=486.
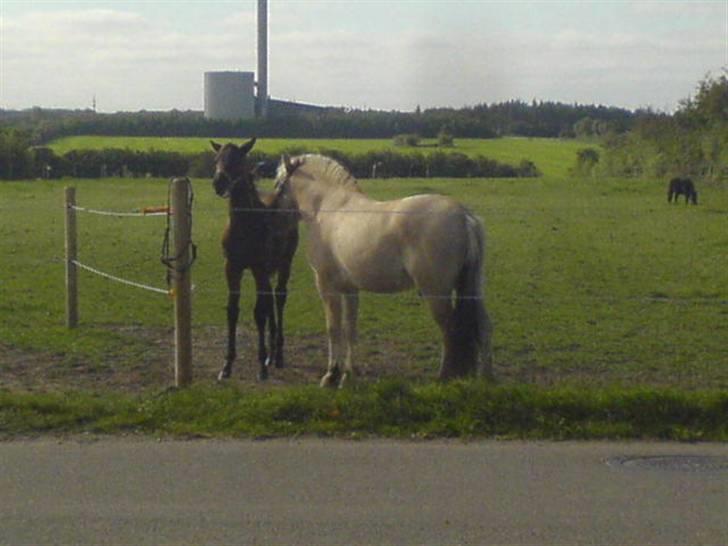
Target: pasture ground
x=591 y=284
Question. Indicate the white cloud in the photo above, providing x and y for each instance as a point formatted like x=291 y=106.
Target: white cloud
x=691 y=8
x=126 y=60
x=433 y=69
x=131 y=61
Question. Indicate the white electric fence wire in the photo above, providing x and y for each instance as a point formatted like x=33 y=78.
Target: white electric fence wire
x=119 y=279
x=118 y=214
x=339 y=211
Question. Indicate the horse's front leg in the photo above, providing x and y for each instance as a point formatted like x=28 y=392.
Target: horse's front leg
x=333 y=310
x=263 y=316
x=234 y=275
x=350 y=314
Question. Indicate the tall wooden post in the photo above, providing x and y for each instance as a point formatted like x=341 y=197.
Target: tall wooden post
x=71 y=254
x=181 y=216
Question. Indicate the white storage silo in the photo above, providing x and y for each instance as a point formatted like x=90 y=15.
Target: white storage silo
x=229 y=95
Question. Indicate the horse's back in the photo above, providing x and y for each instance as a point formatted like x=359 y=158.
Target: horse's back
x=420 y=240
x=681 y=185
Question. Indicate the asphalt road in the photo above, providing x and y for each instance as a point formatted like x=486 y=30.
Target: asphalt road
x=317 y=492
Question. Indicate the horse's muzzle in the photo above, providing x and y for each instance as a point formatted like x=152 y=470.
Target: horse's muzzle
x=221 y=184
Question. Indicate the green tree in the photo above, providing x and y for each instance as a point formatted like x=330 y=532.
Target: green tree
x=584 y=128
x=445 y=138
x=16 y=161
x=709 y=107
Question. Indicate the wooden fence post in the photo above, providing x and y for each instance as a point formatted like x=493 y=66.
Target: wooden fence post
x=71 y=254
x=181 y=216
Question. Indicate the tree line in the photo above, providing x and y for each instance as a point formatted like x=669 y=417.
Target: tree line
x=518 y=118
x=693 y=141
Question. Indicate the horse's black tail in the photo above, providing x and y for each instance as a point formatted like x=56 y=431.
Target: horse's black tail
x=471 y=327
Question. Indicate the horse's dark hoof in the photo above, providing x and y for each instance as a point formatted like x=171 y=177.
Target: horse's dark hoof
x=331 y=379
x=263 y=374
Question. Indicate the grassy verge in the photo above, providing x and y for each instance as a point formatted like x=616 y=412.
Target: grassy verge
x=391 y=408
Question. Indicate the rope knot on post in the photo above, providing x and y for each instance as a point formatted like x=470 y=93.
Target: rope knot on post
x=185 y=252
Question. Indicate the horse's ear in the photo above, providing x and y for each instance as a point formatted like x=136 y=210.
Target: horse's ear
x=215 y=146
x=291 y=164
x=245 y=148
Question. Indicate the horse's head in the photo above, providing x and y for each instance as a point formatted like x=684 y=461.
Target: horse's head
x=231 y=166
x=286 y=169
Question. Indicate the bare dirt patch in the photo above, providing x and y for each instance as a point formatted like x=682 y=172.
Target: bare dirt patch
x=306 y=358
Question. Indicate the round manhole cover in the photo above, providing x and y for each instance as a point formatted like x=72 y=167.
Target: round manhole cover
x=685 y=463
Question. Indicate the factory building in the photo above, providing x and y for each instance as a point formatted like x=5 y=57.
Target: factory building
x=229 y=95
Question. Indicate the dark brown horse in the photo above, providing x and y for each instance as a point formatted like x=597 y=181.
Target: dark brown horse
x=259 y=238
x=682 y=186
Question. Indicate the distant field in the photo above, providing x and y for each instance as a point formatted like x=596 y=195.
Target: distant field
x=552 y=156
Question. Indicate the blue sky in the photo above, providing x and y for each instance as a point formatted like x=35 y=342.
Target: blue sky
x=385 y=54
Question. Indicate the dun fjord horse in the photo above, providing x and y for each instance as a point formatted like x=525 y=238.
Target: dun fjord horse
x=429 y=242
x=682 y=186
x=256 y=238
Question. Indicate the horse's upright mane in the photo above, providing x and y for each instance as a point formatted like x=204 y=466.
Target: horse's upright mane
x=329 y=171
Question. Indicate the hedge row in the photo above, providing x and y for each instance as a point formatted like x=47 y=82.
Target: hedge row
x=375 y=164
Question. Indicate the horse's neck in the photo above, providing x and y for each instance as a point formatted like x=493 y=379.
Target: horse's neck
x=314 y=196
x=244 y=203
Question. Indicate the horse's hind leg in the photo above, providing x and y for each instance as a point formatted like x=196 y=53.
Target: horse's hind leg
x=442 y=312
x=234 y=275
x=333 y=311
x=455 y=357
x=264 y=315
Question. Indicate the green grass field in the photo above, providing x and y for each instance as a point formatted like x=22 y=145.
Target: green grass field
x=553 y=157
x=592 y=284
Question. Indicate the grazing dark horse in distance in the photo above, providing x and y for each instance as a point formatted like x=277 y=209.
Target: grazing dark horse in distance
x=682 y=186
x=259 y=238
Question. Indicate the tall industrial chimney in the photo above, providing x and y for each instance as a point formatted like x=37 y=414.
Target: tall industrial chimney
x=262 y=58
